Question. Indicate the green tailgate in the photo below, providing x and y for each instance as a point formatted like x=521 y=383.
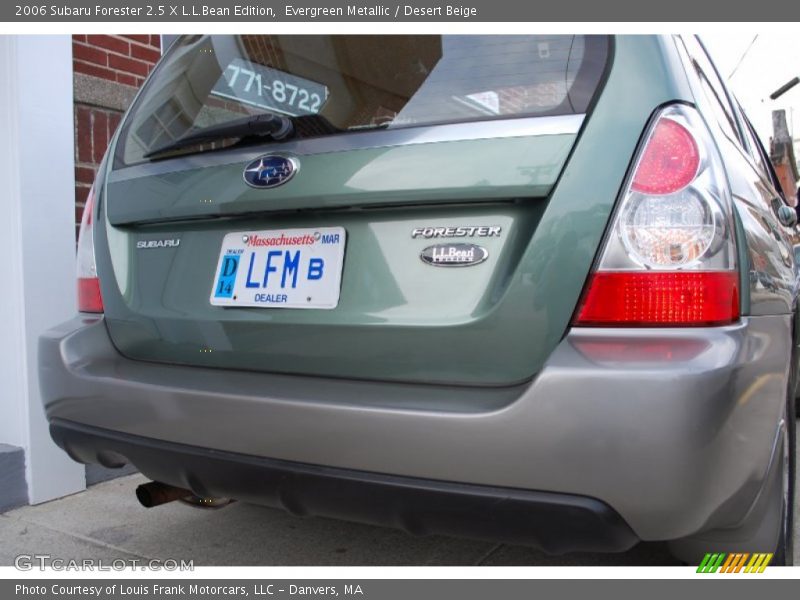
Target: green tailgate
x=398 y=318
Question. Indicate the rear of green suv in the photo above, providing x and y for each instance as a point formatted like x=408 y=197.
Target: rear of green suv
x=389 y=278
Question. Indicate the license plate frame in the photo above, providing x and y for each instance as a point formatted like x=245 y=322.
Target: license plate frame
x=280 y=268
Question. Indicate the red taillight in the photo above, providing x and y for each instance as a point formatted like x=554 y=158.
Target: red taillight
x=669 y=162
x=658 y=299
x=669 y=258
x=89 y=298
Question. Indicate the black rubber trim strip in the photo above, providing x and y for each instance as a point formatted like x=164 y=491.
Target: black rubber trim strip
x=554 y=522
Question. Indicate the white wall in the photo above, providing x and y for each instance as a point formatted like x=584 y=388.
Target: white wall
x=38 y=266
x=13 y=421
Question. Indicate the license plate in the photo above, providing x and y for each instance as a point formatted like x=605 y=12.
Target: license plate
x=280 y=268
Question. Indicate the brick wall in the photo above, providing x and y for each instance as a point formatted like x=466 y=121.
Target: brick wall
x=107 y=70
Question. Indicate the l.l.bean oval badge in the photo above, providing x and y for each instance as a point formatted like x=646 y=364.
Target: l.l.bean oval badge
x=454 y=255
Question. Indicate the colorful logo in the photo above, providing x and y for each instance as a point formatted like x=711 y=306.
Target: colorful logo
x=270 y=171
x=737 y=562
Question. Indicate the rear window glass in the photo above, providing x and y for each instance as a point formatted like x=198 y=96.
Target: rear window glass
x=333 y=84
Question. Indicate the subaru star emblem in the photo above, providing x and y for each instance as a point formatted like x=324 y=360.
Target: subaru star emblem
x=270 y=171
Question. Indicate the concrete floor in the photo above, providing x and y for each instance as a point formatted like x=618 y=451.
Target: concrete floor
x=106 y=522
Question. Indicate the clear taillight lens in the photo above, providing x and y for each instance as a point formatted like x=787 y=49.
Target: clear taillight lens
x=89 y=298
x=670 y=258
x=667 y=231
